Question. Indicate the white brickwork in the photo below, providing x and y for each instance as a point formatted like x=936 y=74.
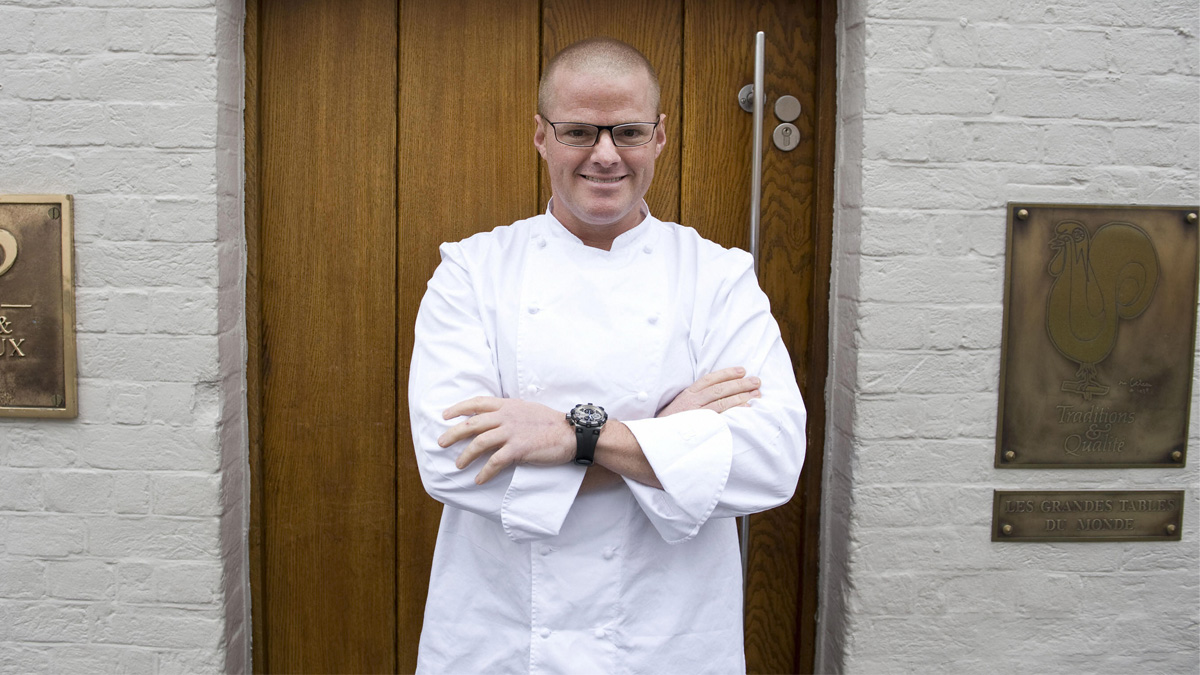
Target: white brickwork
x=948 y=109
x=123 y=533
x=115 y=545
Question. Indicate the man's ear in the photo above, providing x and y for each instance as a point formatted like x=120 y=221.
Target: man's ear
x=660 y=134
x=539 y=136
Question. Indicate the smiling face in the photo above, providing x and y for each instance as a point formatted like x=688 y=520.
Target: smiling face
x=598 y=190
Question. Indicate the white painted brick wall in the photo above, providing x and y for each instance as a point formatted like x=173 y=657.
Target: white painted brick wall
x=112 y=552
x=949 y=109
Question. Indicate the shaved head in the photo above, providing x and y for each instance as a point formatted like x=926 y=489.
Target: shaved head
x=600 y=56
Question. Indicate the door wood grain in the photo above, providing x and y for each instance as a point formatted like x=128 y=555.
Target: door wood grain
x=327 y=214
x=467 y=89
x=717 y=142
x=378 y=129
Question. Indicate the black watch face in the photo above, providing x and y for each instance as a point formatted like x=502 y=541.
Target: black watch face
x=589 y=415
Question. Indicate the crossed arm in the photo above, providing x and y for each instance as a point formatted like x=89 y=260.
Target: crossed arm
x=705 y=457
x=524 y=432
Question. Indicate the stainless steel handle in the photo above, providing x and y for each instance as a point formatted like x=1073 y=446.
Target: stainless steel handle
x=756 y=161
x=759 y=96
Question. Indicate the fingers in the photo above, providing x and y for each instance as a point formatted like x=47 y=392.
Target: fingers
x=740 y=400
x=712 y=390
x=483 y=443
x=472 y=426
x=716 y=376
x=495 y=464
x=735 y=387
x=727 y=389
x=472 y=406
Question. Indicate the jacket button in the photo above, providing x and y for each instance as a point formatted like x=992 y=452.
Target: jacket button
x=533 y=310
x=647 y=249
x=609 y=553
x=545 y=632
x=652 y=319
x=643 y=396
x=600 y=634
x=546 y=550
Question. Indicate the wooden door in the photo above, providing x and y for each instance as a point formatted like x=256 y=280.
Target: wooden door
x=378 y=129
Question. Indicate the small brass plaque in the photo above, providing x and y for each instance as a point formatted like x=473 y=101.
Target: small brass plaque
x=1099 y=336
x=1089 y=515
x=37 y=307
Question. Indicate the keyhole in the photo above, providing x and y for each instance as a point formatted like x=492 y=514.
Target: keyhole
x=786 y=137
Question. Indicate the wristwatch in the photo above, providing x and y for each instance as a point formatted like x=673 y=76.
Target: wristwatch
x=588 y=420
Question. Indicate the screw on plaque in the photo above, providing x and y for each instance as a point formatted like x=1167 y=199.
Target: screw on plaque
x=57 y=401
x=55 y=213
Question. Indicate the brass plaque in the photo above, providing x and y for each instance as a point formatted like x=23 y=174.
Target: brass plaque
x=1089 y=515
x=1099 y=336
x=37 y=307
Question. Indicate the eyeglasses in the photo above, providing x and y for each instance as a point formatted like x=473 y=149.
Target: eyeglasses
x=580 y=135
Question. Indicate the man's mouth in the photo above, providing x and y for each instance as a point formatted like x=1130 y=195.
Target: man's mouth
x=598 y=179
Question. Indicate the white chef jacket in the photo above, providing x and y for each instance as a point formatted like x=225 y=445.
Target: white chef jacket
x=530 y=576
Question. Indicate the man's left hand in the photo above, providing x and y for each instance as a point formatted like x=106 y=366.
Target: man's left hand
x=514 y=431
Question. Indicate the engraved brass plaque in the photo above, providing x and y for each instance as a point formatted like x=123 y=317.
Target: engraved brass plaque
x=1088 y=515
x=1099 y=336
x=37 y=307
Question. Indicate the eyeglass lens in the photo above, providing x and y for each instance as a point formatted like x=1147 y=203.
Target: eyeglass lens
x=585 y=135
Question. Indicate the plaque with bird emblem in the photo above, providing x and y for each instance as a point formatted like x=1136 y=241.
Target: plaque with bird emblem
x=37 y=307
x=1099 y=336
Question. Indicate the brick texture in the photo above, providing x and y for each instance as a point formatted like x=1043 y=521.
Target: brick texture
x=111 y=554
x=947 y=111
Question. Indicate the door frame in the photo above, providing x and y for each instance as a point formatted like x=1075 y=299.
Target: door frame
x=818 y=357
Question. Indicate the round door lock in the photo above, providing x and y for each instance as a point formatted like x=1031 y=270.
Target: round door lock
x=786 y=136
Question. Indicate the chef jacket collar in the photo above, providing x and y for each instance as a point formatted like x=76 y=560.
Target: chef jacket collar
x=624 y=241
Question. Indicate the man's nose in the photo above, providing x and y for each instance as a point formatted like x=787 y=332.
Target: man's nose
x=605 y=151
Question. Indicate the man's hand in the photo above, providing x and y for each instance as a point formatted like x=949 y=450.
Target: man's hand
x=514 y=431
x=719 y=390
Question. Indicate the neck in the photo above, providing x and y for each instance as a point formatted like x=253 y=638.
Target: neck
x=598 y=236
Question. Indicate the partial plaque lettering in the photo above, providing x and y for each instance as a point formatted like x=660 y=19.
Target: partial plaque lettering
x=37 y=307
x=1099 y=336
x=1089 y=515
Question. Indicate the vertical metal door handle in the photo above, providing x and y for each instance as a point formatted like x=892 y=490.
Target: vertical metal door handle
x=756 y=160
x=759 y=95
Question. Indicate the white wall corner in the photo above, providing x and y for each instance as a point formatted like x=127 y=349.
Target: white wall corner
x=840 y=395
x=232 y=347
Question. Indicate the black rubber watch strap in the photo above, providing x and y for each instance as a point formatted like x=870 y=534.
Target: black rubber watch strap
x=585 y=445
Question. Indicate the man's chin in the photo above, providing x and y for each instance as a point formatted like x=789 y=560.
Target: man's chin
x=596 y=215
x=603 y=220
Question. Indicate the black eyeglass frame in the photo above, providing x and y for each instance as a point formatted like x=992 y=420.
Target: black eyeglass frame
x=599 y=127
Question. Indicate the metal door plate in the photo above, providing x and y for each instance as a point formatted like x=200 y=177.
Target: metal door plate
x=37 y=307
x=1087 y=515
x=1099 y=336
x=787 y=108
x=786 y=136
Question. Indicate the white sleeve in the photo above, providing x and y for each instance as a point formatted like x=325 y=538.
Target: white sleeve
x=454 y=360
x=742 y=461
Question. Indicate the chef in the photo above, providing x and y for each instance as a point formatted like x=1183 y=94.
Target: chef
x=595 y=396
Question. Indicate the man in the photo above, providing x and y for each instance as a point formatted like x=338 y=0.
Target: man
x=576 y=539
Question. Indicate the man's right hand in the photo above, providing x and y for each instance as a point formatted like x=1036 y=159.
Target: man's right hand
x=719 y=390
